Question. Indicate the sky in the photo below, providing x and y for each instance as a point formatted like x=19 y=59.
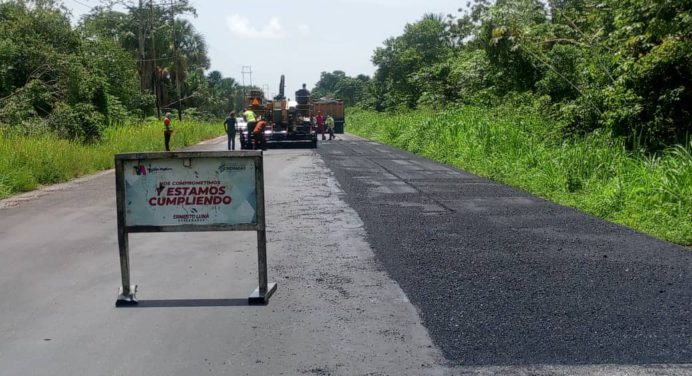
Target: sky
x=297 y=38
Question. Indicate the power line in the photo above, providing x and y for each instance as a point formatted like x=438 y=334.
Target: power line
x=246 y=70
x=82 y=4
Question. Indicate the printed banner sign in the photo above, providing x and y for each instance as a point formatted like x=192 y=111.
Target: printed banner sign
x=190 y=191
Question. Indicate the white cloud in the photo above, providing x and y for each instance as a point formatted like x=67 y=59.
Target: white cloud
x=385 y=3
x=304 y=29
x=240 y=26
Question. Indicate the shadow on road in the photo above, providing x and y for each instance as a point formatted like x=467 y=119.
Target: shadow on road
x=175 y=303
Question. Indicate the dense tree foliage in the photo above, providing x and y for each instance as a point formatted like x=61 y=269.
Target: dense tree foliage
x=419 y=49
x=77 y=80
x=620 y=66
x=338 y=85
x=52 y=79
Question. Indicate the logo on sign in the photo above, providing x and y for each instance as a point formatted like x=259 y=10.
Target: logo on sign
x=139 y=170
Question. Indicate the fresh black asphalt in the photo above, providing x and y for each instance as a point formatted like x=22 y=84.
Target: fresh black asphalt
x=501 y=277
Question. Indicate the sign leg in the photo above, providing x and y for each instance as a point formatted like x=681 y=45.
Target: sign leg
x=126 y=295
x=265 y=290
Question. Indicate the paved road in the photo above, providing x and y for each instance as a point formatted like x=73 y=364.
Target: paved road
x=503 y=278
x=334 y=313
x=504 y=283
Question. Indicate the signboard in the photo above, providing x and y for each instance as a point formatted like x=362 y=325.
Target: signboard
x=203 y=191
x=190 y=191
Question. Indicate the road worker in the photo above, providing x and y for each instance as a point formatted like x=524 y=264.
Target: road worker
x=251 y=121
x=167 y=130
x=258 y=134
x=230 y=124
x=319 y=121
x=330 y=126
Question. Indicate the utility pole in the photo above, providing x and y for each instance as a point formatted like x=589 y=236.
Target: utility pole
x=246 y=70
x=176 y=61
x=140 y=47
x=154 y=65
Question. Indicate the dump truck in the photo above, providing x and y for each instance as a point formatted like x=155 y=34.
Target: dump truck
x=289 y=123
x=333 y=107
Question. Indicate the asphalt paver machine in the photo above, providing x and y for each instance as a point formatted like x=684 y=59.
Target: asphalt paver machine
x=289 y=123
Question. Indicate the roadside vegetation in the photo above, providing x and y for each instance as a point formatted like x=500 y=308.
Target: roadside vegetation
x=584 y=102
x=650 y=193
x=73 y=95
x=29 y=161
x=592 y=66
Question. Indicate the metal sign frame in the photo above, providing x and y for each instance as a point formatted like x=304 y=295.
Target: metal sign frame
x=126 y=295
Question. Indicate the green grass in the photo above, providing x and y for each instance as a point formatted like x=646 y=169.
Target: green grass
x=27 y=162
x=595 y=174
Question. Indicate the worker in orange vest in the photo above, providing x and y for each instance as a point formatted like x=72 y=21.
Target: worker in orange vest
x=167 y=130
x=258 y=134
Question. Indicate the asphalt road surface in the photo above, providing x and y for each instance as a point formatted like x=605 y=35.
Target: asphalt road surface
x=387 y=264
x=501 y=277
